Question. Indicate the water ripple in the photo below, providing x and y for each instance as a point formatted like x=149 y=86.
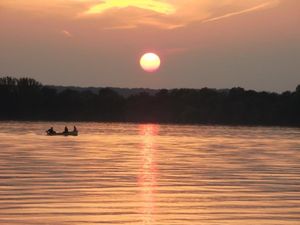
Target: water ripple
x=149 y=175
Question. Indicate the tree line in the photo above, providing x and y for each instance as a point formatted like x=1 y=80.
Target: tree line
x=28 y=99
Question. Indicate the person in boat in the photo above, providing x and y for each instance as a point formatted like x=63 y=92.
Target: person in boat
x=51 y=131
x=75 y=129
x=66 y=130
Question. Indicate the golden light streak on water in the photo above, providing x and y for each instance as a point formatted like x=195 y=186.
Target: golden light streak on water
x=147 y=179
x=130 y=174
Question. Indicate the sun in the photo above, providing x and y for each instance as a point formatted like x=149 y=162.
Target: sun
x=150 y=62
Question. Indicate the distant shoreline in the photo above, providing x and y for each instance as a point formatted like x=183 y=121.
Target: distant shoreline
x=51 y=122
x=26 y=99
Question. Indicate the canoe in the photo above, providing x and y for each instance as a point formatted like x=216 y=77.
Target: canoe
x=72 y=133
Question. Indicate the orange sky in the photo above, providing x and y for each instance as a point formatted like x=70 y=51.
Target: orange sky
x=166 y=14
x=224 y=43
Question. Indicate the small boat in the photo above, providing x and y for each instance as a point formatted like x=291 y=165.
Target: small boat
x=71 y=133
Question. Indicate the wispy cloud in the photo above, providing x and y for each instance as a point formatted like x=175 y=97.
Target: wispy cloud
x=128 y=14
x=152 y=5
x=171 y=14
x=66 y=33
x=245 y=11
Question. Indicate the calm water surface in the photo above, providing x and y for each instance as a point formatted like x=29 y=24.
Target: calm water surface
x=149 y=175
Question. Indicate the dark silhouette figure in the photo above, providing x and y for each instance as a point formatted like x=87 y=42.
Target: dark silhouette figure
x=51 y=131
x=66 y=130
x=75 y=129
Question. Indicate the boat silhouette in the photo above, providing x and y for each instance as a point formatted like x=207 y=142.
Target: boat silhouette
x=71 y=133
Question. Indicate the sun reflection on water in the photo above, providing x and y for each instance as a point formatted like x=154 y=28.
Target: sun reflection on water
x=148 y=175
x=129 y=174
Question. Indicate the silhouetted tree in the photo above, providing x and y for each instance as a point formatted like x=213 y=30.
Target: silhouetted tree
x=27 y=99
x=298 y=89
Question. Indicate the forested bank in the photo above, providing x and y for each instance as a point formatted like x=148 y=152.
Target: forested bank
x=27 y=99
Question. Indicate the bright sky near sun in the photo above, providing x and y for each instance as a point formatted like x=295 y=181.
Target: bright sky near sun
x=224 y=43
x=162 y=13
x=152 y=5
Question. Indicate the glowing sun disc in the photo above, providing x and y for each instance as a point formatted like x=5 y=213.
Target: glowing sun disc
x=150 y=62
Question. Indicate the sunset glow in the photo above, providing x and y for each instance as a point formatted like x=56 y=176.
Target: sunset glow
x=150 y=62
x=199 y=42
x=167 y=14
x=152 y=5
x=150 y=112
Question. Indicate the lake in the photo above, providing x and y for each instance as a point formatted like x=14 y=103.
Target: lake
x=149 y=174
